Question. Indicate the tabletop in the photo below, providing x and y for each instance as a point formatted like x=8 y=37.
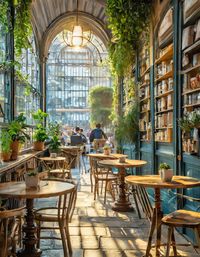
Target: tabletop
x=47 y=189
x=127 y=164
x=156 y=182
x=111 y=156
x=58 y=158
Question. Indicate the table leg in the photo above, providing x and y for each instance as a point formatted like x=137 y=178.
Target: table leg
x=29 y=232
x=122 y=204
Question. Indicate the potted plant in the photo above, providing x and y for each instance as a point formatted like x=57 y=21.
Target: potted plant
x=40 y=133
x=166 y=172
x=106 y=149
x=17 y=131
x=32 y=179
x=54 y=134
x=5 y=145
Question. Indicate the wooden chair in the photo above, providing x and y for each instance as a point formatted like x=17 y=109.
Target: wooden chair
x=103 y=175
x=19 y=173
x=182 y=218
x=10 y=226
x=59 y=214
x=98 y=144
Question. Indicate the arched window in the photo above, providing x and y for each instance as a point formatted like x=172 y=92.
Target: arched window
x=71 y=73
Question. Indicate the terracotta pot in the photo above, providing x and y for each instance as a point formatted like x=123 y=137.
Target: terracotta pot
x=38 y=146
x=14 y=146
x=5 y=157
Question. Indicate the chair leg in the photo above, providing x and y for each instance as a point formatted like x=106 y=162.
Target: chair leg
x=153 y=225
x=135 y=194
x=169 y=237
x=174 y=243
x=38 y=233
x=105 y=192
x=68 y=240
x=197 y=235
x=62 y=233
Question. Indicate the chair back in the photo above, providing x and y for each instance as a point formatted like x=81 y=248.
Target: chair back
x=145 y=202
x=8 y=229
x=98 y=144
x=97 y=170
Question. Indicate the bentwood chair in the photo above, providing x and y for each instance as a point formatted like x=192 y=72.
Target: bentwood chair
x=182 y=218
x=10 y=234
x=60 y=214
x=103 y=175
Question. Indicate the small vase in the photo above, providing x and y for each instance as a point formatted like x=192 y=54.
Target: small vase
x=106 y=151
x=166 y=175
x=31 y=181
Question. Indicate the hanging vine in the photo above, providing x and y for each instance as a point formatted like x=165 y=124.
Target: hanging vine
x=126 y=20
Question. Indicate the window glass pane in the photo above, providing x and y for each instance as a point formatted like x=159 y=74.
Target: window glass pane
x=70 y=74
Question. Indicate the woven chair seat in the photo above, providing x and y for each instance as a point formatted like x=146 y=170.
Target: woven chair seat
x=182 y=218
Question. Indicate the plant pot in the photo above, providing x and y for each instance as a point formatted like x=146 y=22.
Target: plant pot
x=5 y=157
x=38 y=146
x=106 y=151
x=31 y=181
x=14 y=146
x=166 y=175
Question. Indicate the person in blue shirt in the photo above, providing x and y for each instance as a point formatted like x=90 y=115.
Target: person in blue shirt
x=97 y=133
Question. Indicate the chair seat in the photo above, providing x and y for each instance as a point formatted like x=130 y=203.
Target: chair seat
x=182 y=218
x=47 y=214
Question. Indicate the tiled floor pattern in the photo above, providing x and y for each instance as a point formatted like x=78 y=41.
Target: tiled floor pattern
x=97 y=231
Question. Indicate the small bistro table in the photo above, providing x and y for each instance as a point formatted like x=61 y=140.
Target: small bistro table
x=154 y=181
x=55 y=161
x=101 y=156
x=18 y=190
x=122 y=204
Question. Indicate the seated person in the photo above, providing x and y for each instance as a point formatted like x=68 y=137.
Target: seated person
x=97 y=133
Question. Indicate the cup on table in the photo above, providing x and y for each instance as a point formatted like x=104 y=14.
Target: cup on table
x=122 y=159
x=53 y=155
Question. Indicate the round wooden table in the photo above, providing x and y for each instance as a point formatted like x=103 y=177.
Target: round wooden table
x=56 y=162
x=101 y=156
x=122 y=204
x=18 y=190
x=154 y=181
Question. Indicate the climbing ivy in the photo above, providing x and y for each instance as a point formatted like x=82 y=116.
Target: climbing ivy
x=126 y=20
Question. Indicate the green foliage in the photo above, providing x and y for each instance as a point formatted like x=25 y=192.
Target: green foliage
x=100 y=100
x=22 y=27
x=5 y=141
x=32 y=173
x=127 y=19
x=189 y=121
x=106 y=147
x=164 y=166
x=40 y=133
x=22 y=24
x=128 y=126
x=17 y=129
x=54 y=131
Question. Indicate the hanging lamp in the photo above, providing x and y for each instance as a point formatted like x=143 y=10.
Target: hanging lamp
x=77 y=37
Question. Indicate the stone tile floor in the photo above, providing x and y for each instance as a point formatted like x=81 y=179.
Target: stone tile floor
x=97 y=231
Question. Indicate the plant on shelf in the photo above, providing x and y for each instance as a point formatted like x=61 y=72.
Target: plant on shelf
x=54 y=134
x=17 y=131
x=185 y=123
x=40 y=133
x=5 y=145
